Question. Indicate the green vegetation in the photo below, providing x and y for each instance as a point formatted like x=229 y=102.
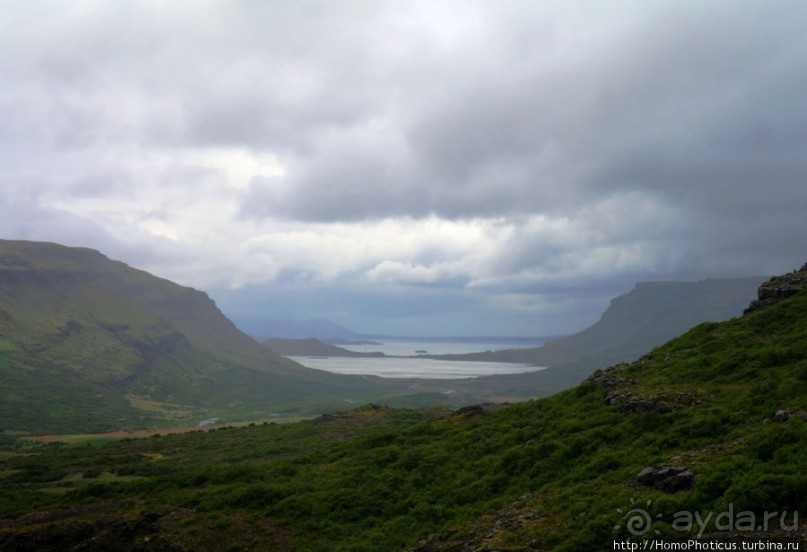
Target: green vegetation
x=726 y=400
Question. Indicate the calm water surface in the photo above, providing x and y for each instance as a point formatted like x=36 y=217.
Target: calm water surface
x=418 y=367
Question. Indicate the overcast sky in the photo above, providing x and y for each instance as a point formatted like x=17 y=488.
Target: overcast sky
x=435 y=167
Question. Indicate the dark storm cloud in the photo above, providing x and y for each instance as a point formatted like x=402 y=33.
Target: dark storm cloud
x=376 y=114
x=697 y=105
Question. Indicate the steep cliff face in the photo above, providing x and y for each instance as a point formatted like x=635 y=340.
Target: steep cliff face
x=778 y=288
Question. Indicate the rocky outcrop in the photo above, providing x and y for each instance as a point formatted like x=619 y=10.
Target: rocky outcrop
x=362 y=415
x=610 y=377
x=629 y=402
x=778 y=288
x=472 y=411
x=784 y=414
x=633 y=402
x=669 y=479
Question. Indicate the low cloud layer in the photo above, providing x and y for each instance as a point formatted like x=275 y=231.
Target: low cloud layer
x=520 y=163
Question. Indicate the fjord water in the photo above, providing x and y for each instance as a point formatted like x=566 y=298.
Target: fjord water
x=393 y=366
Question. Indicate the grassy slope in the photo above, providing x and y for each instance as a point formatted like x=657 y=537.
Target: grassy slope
x=550 y=474
x=80 y=333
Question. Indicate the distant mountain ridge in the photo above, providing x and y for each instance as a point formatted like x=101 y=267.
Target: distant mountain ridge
x=649 y=315
x=294 y=329
x=313 y=347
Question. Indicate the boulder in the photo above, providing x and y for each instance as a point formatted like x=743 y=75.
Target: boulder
x=669 y=479
x=784 y=414
x=609 y=377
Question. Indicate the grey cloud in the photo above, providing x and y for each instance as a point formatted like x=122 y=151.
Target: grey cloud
x=683 y=96
x=23 y=217
x=692 y=111
x=519 y=115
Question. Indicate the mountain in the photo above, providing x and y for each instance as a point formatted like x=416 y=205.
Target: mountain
x=699 y=444
x=647 y=316
x=87 y=343
x=650 y=314
x=294 y=329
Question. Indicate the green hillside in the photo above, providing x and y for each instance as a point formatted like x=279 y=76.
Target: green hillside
x=88 y=344
x=714 y=421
